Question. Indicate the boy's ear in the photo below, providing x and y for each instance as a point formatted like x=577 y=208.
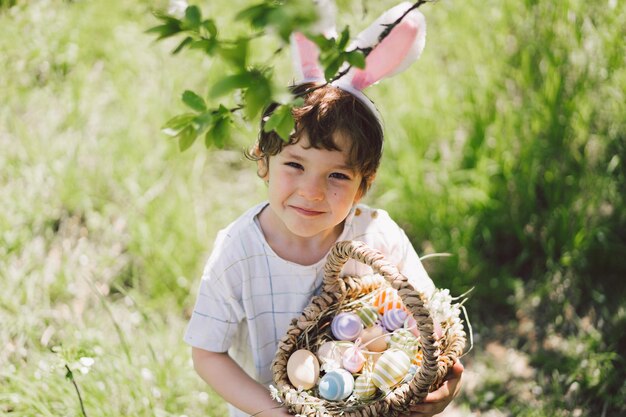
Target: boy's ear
x=365 y=185
x=262 y=169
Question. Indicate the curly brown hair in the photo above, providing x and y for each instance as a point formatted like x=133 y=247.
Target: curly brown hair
x=327 y=110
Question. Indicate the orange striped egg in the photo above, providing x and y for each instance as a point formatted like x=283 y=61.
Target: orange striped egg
x=388 y=299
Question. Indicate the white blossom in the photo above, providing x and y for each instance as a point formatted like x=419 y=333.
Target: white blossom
x=177 y=8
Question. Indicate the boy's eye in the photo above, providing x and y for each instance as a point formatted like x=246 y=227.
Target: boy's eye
x=339 y=176
x=294 y=165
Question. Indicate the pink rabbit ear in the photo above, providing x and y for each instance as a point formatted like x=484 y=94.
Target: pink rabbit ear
x=305 y=52
x=305 y=55
x=396 y=52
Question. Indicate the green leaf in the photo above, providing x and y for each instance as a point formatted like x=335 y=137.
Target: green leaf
x=230 y=83
x=257 y=96
x=177 y=123
x=237 y=53
x=193 y=17
x=321 y=41
x=343 y=38
x=210 y=27
x=186 y=138
x=219 y=133
x=208 y=45
x=180 y=46
x=331 y=68
x=281 y=121
x=356 y=59
x=274 y=120
x=194 y=101
x=257 y=15
x=165 y=31
x=202 y=121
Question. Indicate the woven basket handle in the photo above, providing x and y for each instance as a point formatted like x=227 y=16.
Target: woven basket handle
x=412 y=299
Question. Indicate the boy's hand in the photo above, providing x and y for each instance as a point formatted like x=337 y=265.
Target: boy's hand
x=436 y=401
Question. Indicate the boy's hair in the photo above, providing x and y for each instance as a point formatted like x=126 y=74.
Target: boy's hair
x=327 y=110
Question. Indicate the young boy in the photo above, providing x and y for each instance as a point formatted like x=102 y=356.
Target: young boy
x=266 y=265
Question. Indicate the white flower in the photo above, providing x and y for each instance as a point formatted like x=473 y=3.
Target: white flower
x=87 y=361
x=177 y=8
x=275 y=394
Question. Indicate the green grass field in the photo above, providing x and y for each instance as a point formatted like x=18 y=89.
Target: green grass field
x=506 y=146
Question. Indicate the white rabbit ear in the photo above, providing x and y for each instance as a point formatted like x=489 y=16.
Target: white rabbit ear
x=395 y=53
x=305 y=52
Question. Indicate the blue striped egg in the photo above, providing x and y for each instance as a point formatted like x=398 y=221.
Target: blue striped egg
x=391 y=369
x=336 y=385
x=394 y=319
x=346 y=326
x=412 y=371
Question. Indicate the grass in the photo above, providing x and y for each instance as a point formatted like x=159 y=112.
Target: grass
x=506 y=147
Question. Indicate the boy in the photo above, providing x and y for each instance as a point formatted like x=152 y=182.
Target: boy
x=266 y=265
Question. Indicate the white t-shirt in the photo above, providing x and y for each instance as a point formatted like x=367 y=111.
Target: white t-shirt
x=249 y=295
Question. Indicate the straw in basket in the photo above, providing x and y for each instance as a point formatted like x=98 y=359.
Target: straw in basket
x=340 y=294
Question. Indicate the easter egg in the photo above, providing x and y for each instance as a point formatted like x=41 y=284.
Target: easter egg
x=364 y=387
x=418 y=358
x=374 y=339
x=330 y=353
x=412 y=371
x=390 y=369
x=353 y=359
x=303 y=369
x=372 y=356
x=394 y=319
x=404 y=340
x=368 y=315
x=387 y=299
x=346 y=326
x=336 y=385
x=411 y=325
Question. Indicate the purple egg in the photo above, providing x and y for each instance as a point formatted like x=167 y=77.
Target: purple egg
x=394 y=319
x=346 y=326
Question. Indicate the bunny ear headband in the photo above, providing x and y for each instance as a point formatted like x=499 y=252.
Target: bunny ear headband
x=395 y=53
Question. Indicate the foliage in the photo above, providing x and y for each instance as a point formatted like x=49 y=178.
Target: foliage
x=532 y=203
x=247 y=78
x=505 y=147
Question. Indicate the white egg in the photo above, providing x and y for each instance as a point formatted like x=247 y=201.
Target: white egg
x=303 y=369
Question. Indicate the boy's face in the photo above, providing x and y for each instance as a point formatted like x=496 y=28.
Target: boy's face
x=311 y=191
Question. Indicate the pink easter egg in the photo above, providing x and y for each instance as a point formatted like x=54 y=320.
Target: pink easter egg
x=353 y=359
x=411 y=325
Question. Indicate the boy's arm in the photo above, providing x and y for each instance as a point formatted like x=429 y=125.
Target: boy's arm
x=232 y=383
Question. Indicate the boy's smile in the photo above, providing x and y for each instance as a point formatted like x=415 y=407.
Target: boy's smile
x=311 y=192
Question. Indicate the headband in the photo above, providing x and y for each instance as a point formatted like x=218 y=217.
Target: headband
x=395 y=53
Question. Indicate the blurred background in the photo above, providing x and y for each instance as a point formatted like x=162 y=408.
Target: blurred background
x=506 y=147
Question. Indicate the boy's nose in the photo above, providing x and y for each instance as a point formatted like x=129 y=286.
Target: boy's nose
x=312 y=189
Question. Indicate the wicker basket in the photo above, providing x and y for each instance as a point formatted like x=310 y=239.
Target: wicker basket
x=312 y=328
